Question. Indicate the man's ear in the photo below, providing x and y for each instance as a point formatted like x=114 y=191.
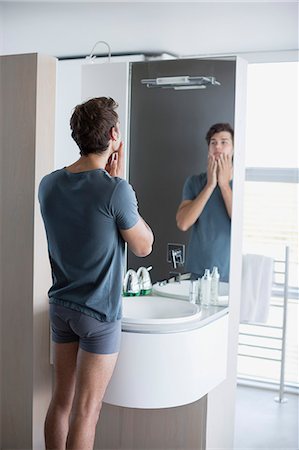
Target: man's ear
x=113 y=134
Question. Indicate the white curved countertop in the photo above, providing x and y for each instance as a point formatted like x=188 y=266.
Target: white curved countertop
x=138 y=318
x=180 y=290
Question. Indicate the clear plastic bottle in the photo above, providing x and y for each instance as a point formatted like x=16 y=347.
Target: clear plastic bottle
x=205 y=288
x=215 y=286
x=193 y=291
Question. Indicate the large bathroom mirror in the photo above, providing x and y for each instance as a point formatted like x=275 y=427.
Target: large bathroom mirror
x=167 y=141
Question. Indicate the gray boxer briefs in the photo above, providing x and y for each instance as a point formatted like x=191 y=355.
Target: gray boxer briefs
x=93 y=335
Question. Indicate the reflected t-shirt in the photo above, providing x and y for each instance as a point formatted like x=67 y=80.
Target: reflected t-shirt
x=82 y=214
x=209 y=243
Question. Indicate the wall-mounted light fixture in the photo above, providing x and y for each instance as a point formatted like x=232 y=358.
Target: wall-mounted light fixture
x=91 y=56
x=181 y=82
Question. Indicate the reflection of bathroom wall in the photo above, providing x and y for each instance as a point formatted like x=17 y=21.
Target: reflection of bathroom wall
x=167 y=143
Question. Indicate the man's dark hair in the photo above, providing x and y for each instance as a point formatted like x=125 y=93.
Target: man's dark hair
x=217 y=128
x=91 y=123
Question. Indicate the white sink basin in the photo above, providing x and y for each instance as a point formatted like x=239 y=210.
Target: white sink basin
x=181 y=290
x=158 y=310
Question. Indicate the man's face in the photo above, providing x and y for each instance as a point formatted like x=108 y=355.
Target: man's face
x=221 y=144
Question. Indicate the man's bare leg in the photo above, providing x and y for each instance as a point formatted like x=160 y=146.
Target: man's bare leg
x=57 y=419
x=93 y=375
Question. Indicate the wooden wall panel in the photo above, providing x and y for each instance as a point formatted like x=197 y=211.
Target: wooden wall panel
x=44 y=163
x=25 y=95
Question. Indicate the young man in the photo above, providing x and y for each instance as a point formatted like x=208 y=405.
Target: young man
x=207 y=206
x=89 y=213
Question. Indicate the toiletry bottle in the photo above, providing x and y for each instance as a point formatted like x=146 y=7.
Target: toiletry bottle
x=193 y=291
x=205 y=288
x=215 y=286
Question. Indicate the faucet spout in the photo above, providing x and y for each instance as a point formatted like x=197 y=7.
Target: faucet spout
x=177 y=276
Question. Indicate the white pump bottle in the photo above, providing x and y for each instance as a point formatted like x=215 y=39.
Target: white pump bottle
x=205 y=288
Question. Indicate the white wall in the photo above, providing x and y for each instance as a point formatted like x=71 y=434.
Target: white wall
x=64 y=29
x=70 y=91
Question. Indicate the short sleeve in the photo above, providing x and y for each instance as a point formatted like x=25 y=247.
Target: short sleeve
x=124 y=206
x=188 y=193
x=193 y=186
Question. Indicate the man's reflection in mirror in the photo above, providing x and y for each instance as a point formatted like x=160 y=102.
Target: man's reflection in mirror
x=206 y=206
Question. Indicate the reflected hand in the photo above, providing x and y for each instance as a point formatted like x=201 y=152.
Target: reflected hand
x=115 y=164
x=212 y=172
x=224 y=171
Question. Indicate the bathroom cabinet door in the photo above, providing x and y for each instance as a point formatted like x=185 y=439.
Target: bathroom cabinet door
x=182 y=428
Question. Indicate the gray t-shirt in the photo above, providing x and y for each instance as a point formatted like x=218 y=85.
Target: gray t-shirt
x=209 y=243
x=83 y=213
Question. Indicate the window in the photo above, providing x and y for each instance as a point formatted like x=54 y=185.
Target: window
x=271 y=202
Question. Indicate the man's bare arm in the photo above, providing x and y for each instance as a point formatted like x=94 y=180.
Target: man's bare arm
x=189 y=210
x=140 y=238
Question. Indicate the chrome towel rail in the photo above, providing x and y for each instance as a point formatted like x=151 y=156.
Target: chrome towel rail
x=280 y=398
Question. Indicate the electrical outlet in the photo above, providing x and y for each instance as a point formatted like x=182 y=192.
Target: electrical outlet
x=176 y=247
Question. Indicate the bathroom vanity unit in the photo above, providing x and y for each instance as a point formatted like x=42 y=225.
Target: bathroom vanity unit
x=172 y=354
x=164 y=365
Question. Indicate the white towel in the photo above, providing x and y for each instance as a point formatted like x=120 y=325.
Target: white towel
x=257 y=279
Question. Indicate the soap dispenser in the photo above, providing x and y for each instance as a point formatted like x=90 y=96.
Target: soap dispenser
x=205 y=288
x=144 y=280
x=131 y=284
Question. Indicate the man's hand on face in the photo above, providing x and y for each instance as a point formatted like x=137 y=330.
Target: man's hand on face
x=212 y=172
x=224 y=172
x=115 y=165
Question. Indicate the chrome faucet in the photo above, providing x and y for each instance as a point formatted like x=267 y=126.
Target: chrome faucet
x=176 y=254
x=177 y=276
x=177 y=258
